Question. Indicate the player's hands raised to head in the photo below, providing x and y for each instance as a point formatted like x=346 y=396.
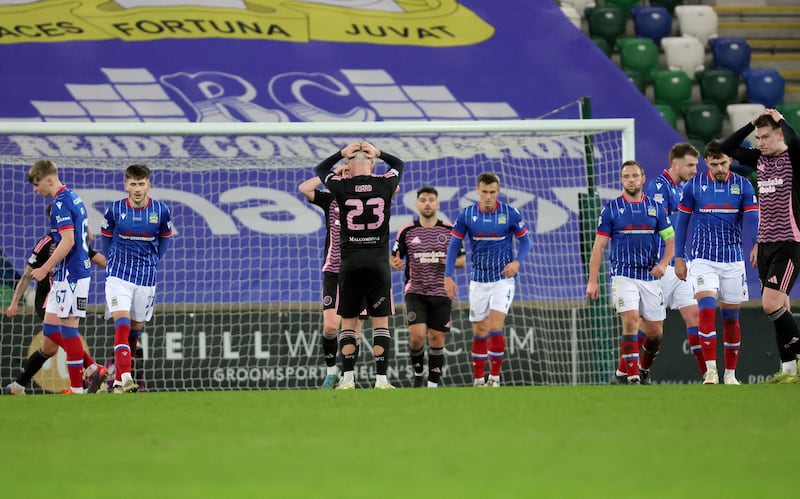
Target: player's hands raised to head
x=371 y=151
x=511 y=269
x=351 y=150
x=450 y=287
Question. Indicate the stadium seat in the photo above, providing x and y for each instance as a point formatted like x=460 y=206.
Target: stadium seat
x=703 y=122
x=572 y=14
x=698 y=144
x=668 y=114
x=740 y=114
x=699 y=21
x=638 y=54
x=607 y=22
x=673 y=88
x=719 y=87
x=764 y=86
x=637 y=78
x=791 y=113
x=579 y=5
x=623 y=4
x=732 y=54
x=603 y=45
x=667 y=4
x=652 y=22
x=685 y=53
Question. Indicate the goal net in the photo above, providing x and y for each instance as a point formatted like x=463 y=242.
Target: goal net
x=238 y=300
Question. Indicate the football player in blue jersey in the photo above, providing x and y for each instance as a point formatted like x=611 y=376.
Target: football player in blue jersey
x=136 y=231
x=719 y=201
x=667 y=189
x=492 y=226
x=70 y=265
x=629 y=223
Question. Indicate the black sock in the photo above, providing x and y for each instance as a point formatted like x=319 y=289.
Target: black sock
x=31 y=367
x=787 y=334
x=381 y=338
x=348 y=337
x=417 y=360
x=435 y=364
x=329 y=349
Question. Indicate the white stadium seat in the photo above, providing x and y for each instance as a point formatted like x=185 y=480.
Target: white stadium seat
x=699 y=21
x=685 y=53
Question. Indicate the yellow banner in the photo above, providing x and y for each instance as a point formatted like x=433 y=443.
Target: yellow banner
x=428 y=23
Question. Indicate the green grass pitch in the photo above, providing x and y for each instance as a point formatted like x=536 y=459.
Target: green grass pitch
x=596 y=441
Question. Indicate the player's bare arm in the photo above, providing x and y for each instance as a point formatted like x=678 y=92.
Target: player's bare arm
x=661 y=267
x=680 y=268
x=396 y=262
x=754 y=256
x=598 y=252
x=308 y=187
x=450 y=287
x=19 y=291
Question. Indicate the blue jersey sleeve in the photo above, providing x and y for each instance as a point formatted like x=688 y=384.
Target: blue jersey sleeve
x=457 y=234
x=605 y=225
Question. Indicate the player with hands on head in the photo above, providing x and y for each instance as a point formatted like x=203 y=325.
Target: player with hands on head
x=364 y=202
x=629 y=222
x=491 y=226
x=776 y=159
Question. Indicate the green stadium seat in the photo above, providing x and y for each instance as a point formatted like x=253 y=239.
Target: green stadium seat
x=719 y=87
x=638 y=54
x=699 y=145
x=603 y=45
x=607 y=22
x=673 y=88
x=637 y=79
x=791 y=113
x=624 y=4
x=667 y=4
x=703 y=122
x=668 y=114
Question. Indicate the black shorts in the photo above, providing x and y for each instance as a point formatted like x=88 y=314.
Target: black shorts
x=433 y=311
x=362 y=278
x=778 y=265
x=330 y=290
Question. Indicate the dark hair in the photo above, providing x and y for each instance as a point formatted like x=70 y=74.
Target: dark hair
x=765 y=120
x=713 y=149
x=137 y=172
x=427 y=190
x=683 y=149
x=488 y=178
x=631 y=162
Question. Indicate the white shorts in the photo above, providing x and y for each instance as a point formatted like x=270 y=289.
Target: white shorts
x=634 y=294
x=68 y=299
x=677 y=293
x=129 y=297
x=727 y=280
x=485 y=296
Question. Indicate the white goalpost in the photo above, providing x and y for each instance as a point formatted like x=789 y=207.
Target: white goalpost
x=238 y=301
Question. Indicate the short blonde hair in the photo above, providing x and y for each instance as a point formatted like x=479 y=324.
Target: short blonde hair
x=41 y=169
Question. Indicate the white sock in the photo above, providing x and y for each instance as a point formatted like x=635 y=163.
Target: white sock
x=494 y=378
x=431 y=384
x=348 y=376
x=332 y=370
x=76 y=391
x=381 y=378
x=711 y=365
x=789 y=367
x=126 y=377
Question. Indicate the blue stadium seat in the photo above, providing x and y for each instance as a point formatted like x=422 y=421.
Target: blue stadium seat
x=652 y=22
x=764 y=86
x=732 y=54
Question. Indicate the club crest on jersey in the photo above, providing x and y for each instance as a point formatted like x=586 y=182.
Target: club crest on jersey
x=501 y=219
x=658 y=197
x=735 y=190
x=651 y=211
x=154 y=218
x=441 y=239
